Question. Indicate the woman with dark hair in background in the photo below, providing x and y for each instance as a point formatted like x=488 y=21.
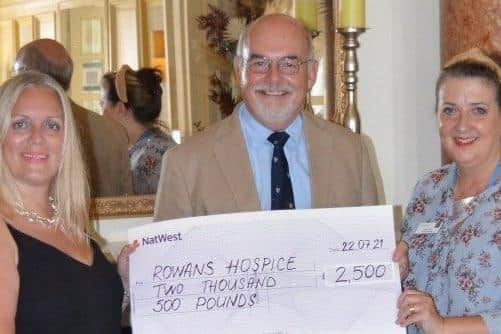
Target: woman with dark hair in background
x=452 y=226
x=134 y=100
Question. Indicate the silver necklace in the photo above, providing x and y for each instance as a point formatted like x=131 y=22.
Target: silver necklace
x=36 y=218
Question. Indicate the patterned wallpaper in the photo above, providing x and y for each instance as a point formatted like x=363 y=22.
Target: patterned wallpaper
x=469 y=23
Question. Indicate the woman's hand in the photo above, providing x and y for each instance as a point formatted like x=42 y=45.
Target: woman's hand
x=123 y=262
x=416 y=307
x=401 y=257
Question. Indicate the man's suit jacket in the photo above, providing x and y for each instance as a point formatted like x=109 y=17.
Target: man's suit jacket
x=104 y=145
x=211 y=173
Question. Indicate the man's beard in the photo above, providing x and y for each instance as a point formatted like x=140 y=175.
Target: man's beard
x=273 y=111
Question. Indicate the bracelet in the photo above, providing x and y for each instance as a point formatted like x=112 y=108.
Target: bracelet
x=126 y=299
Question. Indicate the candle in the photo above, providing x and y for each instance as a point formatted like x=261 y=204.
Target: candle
x=306 y=12
x=351 y=14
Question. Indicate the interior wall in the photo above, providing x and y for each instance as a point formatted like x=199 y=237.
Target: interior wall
x=399 y=60
x=188 y=68
x=466 y=24
x=7 y=54
x=126 y=38
x=88 y=49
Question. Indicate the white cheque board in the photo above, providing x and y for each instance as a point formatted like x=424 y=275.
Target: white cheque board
x=297 y=271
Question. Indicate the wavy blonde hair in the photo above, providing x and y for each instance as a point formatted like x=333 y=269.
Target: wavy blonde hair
x=69 y=187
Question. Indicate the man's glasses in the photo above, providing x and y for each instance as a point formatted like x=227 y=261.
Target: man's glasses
x=286 y=65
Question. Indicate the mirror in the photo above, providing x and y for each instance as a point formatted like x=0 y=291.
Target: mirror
x=103 y=34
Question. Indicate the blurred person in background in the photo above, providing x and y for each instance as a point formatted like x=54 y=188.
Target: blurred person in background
x=134 y=100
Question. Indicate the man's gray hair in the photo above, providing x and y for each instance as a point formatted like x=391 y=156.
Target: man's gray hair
x=242 y=42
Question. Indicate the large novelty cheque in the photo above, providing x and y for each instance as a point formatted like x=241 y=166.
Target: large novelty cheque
x=296 y=271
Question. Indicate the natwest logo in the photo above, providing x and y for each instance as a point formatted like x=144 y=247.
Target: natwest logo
x=162 y=237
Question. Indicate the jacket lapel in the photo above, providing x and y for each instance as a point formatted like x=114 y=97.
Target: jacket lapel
x=231 y=154
x=320 y=157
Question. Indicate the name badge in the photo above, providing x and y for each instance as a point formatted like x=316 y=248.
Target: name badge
x=428 y=228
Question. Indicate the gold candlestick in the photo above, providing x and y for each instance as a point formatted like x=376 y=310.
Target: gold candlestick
x=351 y=118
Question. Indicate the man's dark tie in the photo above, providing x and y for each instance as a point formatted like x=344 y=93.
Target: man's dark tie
x=282 y=196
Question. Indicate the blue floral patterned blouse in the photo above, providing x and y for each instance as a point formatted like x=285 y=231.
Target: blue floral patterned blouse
x=145 y=158
x=460 y=265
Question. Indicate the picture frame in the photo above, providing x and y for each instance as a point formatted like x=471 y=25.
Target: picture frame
x=91 y=76
x=91 y=36
x=126 y=206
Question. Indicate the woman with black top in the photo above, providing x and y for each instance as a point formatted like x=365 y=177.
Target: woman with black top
x=53 y=278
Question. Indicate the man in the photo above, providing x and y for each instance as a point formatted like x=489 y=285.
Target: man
x=268 y=154
x=104 y=142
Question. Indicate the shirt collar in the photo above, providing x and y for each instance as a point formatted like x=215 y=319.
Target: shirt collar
x=496 y=174
x=258 y=133
x=494 y=178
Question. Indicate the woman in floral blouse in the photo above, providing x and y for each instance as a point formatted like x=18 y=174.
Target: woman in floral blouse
x=452 y=226
x=133 y=99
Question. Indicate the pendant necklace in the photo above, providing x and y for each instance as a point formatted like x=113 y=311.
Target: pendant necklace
x=36 y=218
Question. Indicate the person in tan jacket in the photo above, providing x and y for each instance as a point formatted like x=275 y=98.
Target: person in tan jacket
x=270 y=153
x=104 y=144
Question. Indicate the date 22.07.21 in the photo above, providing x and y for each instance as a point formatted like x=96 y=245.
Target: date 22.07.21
x=358 y=245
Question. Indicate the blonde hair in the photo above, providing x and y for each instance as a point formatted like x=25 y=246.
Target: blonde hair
x=69 y=187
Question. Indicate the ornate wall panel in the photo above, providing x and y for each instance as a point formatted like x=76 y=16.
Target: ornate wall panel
x=469 y=23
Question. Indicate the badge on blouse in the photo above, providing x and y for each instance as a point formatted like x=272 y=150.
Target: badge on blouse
x=428 y=228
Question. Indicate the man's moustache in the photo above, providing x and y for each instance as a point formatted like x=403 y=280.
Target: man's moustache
x=273 y=88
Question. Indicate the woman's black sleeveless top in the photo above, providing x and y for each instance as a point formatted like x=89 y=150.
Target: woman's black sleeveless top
x=58 y=294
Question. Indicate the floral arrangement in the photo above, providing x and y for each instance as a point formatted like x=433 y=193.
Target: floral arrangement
x=222 y=33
